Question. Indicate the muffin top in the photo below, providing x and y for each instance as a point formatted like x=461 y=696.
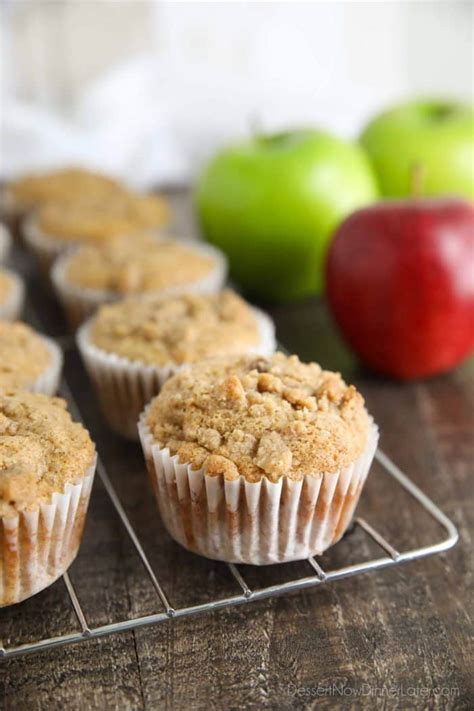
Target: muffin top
x=127 y=266
x=41 y=449
x=24 y=355
x=6 y=284
x=260 y=417
x=97 y=220
x=183 y=329
x=58 y=185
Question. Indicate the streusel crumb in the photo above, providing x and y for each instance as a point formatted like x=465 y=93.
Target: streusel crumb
x=178 y=330
x=258 y=417
x=41 y=449
x=60 y=185
x=24 y=355
x=132 y=266
x=99 y=220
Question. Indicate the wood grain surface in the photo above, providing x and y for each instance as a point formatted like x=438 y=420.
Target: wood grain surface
x=394 y=639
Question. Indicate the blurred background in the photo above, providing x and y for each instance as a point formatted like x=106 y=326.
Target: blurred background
x=148 y=90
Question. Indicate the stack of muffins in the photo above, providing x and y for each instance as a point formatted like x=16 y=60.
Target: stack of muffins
x=253 y=456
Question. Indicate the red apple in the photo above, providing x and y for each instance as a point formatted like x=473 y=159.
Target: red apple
x=400 y=284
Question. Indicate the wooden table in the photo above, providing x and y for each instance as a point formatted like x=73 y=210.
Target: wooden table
x=398 y=638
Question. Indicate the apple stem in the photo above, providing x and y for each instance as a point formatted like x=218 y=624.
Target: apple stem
x=418 y=174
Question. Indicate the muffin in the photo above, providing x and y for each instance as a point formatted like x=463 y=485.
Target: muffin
x=58 y=226
x=5 y=242
x=131 y=348
x=257 y=460
x=91 y=276
x=12 y=295
x=47 y=464
x=31 y=191
x=28 y=360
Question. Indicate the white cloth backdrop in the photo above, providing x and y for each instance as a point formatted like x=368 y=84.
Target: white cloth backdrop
x=147 y=90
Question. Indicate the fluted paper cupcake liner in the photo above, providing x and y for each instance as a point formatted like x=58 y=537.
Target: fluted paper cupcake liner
x=12 y=307
x=256 y=523
x=38 y=546
x=5 y=242
x=48 y=381
x=79 y=302
x=124 y=387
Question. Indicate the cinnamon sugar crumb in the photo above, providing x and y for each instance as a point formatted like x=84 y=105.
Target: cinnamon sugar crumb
x=41 y=449
x=179 y=330
x=142 y=264
x=24 y=355
x=259 y=417
x=98 y=220
x=59 y=185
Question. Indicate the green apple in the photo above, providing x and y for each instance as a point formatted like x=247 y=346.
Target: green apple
x=273 y=202
x=425 y=147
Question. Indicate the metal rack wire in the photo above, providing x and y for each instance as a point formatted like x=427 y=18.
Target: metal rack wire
x=246 y=595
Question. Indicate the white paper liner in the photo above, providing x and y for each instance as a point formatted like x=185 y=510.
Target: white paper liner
x=5 y=242
x=12 y=307
x=80 y=302
x=255 y=523
x=37 y=547
x=124 y=386
x=48 y=381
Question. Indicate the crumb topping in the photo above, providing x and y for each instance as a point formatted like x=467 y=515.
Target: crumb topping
x=41 y=449
x=98 y=220
x=59 y=185
x=258 y=417
x=132 y=266
x=179 y=330
x=23 y=355
x=6 y=285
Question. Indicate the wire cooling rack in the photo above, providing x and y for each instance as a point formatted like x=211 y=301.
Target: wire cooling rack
x=318 y=575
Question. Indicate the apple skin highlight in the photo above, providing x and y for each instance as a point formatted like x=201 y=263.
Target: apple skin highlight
x=400 y=285
x=273 y=202
x=436 y=136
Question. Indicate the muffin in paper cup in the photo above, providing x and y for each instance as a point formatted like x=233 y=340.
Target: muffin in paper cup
x=5 y=242
x=57 y=227
x=124 y=385
x=22 y=196
x=79 y=301
x=40 y=533
x=222 y=513
x=31 y=360
x=12 y=295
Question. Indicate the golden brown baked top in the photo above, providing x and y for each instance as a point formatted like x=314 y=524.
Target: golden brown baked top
x=6 y=285
x=59 y=185
x=178 y=330
x=258 y=417
x=24 y=355
x=41 y=449
x=99 y=220
x=127 y=266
